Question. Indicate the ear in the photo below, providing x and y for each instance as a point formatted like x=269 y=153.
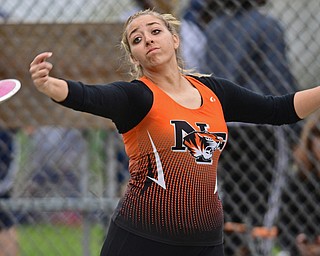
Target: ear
x=176 y=41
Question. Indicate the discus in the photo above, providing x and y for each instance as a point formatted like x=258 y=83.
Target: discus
x=8 y=88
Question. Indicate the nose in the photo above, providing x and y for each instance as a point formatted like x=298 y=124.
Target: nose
x=149 y=40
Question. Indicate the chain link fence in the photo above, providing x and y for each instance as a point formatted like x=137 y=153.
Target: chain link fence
x=69 y=169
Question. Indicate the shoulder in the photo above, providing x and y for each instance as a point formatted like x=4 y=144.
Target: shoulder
x=225 y=89
x=134 y=85
x=266 y=21
x=215 y=83
x=135 y=90
x=136 y=93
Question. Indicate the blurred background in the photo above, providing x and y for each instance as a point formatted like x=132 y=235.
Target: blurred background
x=62 y=172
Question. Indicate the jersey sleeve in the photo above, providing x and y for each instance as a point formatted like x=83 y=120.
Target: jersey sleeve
x=242 y=105
x=125 y=103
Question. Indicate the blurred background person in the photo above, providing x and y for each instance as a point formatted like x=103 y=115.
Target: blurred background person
x=58 y=162
x=8 y=169
x=248 y=46
x=302 y=195
x=194 y=19
x=162 y=6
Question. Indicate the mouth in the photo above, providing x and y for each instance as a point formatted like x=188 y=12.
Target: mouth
x=152 y=50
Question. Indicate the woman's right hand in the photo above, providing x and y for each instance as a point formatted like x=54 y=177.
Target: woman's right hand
x=40 y=69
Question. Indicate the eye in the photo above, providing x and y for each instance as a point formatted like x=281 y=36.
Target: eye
x=136 y=40
x=156 y=31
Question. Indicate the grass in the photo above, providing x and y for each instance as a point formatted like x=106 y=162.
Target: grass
x=55 y=240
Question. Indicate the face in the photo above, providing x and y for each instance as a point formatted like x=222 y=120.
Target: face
x=151 y=43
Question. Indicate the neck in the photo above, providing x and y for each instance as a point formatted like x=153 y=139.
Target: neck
x=169 y=79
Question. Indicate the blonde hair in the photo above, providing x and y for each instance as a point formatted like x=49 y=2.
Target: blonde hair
x=172 y=24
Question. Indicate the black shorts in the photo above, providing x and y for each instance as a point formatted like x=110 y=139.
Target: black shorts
x=120 y=242
x=6 y=220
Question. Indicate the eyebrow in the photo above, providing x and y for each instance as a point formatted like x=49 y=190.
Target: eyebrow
x=148 y=24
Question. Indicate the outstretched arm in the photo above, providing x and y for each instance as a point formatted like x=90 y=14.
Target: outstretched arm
x=40 y=69
x=307 y=101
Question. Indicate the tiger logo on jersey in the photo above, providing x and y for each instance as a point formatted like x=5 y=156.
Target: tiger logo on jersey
x=202 y=145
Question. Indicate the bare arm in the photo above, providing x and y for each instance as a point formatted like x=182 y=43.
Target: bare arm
x=56 y=89
x=307 y=101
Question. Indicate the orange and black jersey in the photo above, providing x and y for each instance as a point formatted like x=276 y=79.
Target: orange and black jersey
x=173 y=151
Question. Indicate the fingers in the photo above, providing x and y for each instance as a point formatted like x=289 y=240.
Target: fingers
x=40 y=70
x=41 y=58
